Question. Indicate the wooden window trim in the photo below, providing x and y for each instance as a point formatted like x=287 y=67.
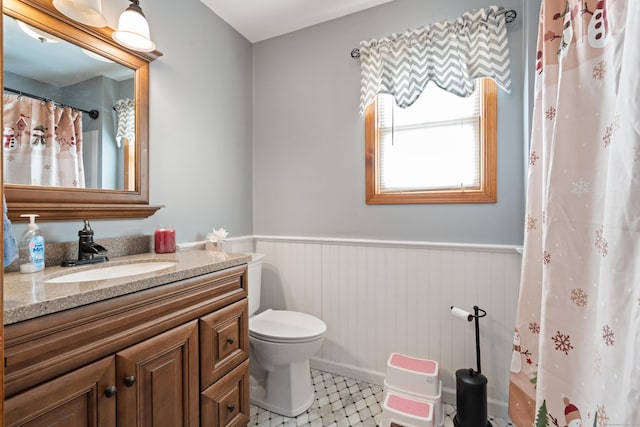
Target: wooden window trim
x=488 y=158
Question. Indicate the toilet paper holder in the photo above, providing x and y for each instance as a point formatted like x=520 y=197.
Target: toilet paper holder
x=471 y=387
x=477 y=314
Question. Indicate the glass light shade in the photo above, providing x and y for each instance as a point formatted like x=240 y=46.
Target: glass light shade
x=133 y=31
x=95 y=56
x=88 y=12
x=37 y=33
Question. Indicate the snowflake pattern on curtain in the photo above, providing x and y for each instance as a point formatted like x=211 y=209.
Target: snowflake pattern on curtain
x=42 y=143
x=578 y=305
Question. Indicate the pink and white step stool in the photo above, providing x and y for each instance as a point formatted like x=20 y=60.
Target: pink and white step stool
x=417 y=379
x=403 y=411
x=413 y=375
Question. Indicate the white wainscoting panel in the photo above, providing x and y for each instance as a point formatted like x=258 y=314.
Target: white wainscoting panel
x=242 y=244
x=380 y=297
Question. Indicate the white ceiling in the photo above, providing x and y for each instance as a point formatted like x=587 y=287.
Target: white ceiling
x=263 y=19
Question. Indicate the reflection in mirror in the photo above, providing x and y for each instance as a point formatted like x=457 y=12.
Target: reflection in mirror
x=53 y=91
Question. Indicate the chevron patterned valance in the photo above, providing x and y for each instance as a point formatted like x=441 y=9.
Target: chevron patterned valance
x=126 y=114
x=450 y=54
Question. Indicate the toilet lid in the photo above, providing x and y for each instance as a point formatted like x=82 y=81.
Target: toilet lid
x=286 y=326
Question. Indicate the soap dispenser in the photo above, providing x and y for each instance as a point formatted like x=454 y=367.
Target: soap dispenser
x=31 y=247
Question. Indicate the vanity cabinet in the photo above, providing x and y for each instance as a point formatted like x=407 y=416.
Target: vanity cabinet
x=173 y=355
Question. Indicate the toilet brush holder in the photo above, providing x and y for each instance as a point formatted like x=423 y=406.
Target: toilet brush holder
x=471 y=399
x=471 y=386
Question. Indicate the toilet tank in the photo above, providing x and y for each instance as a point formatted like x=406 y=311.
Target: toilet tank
x=255 y=282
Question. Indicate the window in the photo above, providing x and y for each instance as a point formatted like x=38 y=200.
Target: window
x=442 y=149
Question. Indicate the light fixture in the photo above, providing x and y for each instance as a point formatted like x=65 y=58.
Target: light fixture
x=88 y=12
x=95 y=56
x=37 y=33
x=133 y=29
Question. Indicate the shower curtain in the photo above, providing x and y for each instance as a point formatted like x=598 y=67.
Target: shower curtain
x=42 y=143
x=575 y=358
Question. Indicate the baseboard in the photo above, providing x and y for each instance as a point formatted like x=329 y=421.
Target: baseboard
x=348 y=371
x=494 y=407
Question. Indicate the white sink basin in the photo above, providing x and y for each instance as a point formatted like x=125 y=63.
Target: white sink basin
x=112 y=272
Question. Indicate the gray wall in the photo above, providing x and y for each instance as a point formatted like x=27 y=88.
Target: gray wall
x=295 y=98
x=200 y=127
x=101 y=93
x=309 y=137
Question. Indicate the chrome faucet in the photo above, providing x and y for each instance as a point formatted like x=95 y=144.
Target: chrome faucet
x=89 y=252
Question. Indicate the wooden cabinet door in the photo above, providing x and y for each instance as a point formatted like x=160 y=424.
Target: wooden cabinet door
x=158 y=380
x=85 y=397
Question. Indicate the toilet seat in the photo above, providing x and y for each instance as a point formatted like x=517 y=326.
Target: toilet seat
x=286 y=326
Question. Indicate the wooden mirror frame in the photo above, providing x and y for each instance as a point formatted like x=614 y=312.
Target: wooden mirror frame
x=62 y=204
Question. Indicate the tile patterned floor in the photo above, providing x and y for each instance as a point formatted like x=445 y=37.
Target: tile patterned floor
x=342 y=402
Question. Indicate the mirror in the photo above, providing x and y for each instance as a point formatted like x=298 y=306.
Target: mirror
x=104 y=75
x=40 y=66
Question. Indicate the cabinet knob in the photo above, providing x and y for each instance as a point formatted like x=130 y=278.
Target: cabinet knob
x=110 y=391
x=230 y=340
x=129 y=381
x=231 y=407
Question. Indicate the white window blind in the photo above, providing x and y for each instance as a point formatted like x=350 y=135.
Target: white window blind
x=432 y=145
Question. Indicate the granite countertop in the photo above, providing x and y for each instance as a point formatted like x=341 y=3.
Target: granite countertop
x=29 y=295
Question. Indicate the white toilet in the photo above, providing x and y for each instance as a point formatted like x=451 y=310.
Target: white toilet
x=281 y=343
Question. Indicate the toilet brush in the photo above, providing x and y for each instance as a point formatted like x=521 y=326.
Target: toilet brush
x=471 y=386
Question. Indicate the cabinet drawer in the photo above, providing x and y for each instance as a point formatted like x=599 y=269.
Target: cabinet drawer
x=224 y=341
x=226 y=403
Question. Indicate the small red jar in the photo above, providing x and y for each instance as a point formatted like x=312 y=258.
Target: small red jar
x=165 y=239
